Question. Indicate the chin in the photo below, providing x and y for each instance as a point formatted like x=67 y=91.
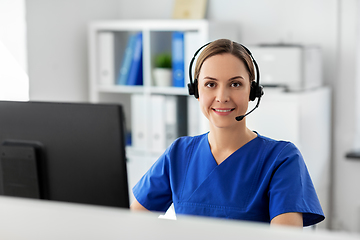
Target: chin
x=224 y=124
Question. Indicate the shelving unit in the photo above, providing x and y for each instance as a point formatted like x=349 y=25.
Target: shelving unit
x=156 y=39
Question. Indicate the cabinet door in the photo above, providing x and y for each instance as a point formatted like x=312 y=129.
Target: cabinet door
x=277 y=118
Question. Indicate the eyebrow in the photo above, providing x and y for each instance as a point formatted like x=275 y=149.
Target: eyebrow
x=215 y=79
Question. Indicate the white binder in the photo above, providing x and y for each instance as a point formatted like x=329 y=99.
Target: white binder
x=170 y=120
x=106 y=58
x=157 y=130
x=138 y=127
x=191 y=44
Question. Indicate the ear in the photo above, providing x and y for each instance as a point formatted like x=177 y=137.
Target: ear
x=253 y=91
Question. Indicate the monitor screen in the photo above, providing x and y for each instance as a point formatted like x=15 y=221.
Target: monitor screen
x=71 y=152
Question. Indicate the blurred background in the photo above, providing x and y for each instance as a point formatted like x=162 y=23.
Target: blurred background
x=44 y=56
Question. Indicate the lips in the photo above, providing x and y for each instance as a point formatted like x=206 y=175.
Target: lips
x=223 y=110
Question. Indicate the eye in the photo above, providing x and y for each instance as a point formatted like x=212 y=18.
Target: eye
x=236 y=84
x=210 y=84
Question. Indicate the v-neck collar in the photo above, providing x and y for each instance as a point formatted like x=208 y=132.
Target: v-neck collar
x=202 y=171
x=232 y=154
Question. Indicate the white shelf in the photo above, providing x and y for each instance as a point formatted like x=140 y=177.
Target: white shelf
x=120 y=89
x=142 y=90
x=150 y=25
x=141 y=153
x=169 y=90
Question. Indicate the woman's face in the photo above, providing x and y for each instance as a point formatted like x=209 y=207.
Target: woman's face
x=224 y=89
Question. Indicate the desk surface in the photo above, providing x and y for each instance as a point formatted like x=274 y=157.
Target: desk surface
x=37 y=219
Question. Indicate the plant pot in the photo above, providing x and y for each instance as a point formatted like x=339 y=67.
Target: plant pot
x=162 y=77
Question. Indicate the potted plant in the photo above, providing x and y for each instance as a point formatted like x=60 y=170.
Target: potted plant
x=162 y=71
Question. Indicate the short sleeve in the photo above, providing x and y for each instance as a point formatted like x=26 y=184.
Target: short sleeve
x=291 y=188
x=153 y=190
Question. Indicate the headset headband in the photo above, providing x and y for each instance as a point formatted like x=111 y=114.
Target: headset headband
x=246 y=49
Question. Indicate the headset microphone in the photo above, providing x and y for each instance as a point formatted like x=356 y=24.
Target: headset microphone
x=256 y=92
x=241 y=117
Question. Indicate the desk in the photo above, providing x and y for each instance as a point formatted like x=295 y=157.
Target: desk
x=38 y=220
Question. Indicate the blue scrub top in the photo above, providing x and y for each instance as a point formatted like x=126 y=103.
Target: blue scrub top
x=262 y=179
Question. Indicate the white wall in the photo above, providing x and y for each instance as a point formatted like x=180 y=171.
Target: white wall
x=57 y=46
x=58 y=64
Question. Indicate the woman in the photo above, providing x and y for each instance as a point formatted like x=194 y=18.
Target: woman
x=231 y=171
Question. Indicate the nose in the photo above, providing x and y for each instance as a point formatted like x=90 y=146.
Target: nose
x=222 y=95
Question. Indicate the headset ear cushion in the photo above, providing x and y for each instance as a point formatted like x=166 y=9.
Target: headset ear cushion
x=256 y=91
x=253 y=90
x=196 y=90
x=193 y=89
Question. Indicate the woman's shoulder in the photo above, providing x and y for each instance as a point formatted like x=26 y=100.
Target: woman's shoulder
x=273 y=142
x=183 y=147
x=187 y=144
x=275 y=153
x=187 y=141
x=279 y=146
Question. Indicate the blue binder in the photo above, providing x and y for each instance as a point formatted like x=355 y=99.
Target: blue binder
x=127 y=59
x=178 y=67
x=136 y=70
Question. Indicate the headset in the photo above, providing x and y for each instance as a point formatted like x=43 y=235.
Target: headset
x=256 y=90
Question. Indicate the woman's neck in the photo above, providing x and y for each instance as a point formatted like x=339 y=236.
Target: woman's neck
x=225 y=141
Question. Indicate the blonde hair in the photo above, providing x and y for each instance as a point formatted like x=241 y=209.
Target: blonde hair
x=222 y=46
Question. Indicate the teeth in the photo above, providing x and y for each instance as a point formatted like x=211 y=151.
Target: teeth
x=218 y=110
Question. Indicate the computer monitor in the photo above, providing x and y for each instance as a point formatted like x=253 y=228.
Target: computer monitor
x=70 y=152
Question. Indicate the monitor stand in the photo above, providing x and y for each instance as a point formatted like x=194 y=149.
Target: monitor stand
x=20 y=169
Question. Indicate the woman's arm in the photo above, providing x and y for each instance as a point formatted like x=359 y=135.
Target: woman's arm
x=137 y=206
x=290 y=219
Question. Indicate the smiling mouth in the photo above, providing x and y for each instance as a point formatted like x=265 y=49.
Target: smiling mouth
x=223 y=110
